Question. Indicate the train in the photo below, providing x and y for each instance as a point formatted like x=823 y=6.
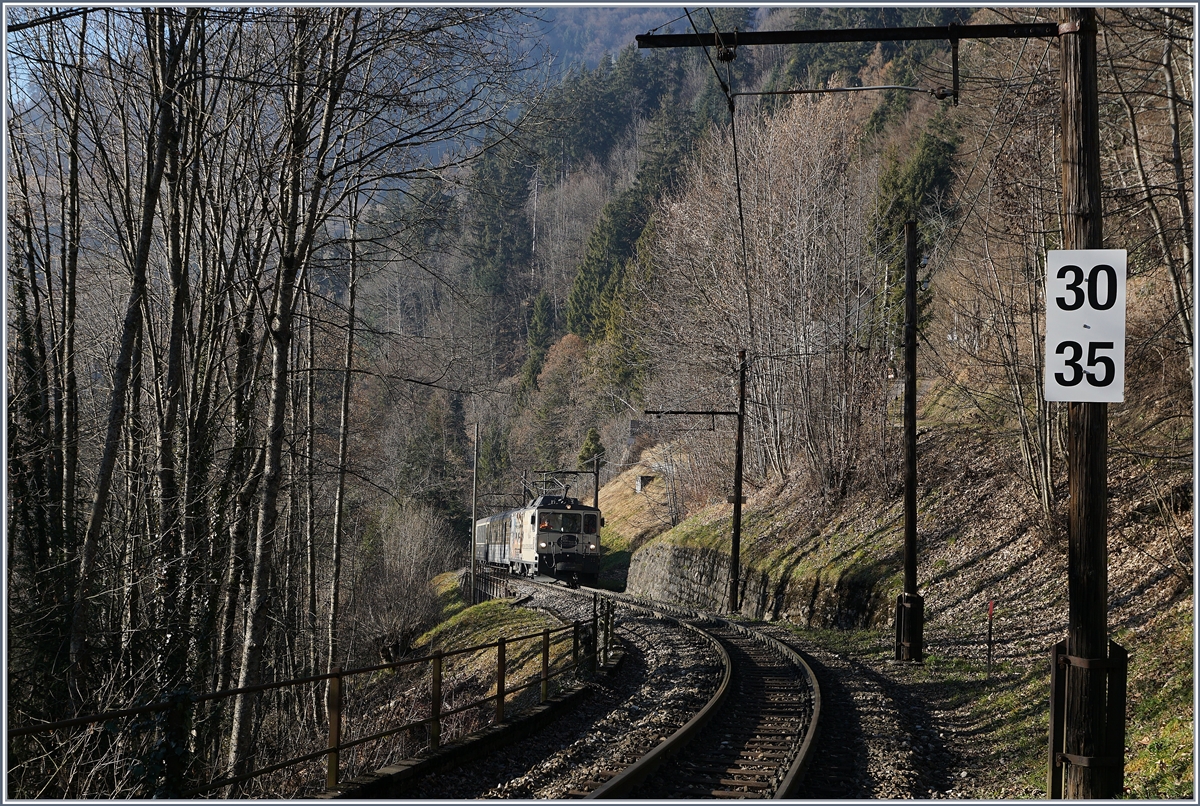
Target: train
x=554 y=536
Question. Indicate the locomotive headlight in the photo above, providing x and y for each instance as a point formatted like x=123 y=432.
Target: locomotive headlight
x=591 y=546
x=542 y=544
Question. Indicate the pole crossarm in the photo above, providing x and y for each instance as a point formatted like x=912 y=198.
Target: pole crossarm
x=951 y=32
x=705 y=413
x=937 y=92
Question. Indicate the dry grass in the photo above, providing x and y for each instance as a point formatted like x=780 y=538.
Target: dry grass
x=982 y=538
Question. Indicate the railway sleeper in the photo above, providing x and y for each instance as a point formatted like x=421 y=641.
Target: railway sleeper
x=734 y=757
x=728 y=769
x=768 y=754
x=722 y=793
x=780 y=746
x=760 y=738
x=751 y=786
x=744 y=766
x=777 y=715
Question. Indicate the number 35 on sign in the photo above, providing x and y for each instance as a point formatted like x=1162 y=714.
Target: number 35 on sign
x=1085 y=325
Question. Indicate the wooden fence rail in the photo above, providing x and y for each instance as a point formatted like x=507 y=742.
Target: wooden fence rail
x=180 y=708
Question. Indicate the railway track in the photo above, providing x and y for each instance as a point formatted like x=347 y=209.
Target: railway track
x=752 y=739
x=752 y=747
x=743 y=705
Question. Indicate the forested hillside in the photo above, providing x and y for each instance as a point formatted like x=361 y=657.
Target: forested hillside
x=268 y=270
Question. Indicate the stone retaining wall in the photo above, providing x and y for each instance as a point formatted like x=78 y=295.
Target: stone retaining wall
x=700 y=578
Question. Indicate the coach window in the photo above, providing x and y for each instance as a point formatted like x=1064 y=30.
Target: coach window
x=589 y=524
x=563 y=522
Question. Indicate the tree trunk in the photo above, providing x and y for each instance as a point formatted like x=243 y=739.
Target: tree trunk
x=70 y=266
x=343 y=448
x=170 y=592
x=1183 y=274
x=157 y=148
x=314 y=660
x=299 y=227
x=268 y=513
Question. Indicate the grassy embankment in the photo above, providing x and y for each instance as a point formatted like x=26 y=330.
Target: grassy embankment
x=464 y=626
x=1009 y=708
x=981 y=539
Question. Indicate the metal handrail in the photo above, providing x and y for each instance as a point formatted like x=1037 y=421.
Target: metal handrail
x=336 y=745
x=105 y=716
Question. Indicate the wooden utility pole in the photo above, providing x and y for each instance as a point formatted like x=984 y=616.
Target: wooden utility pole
x=737 y=499
x=474 y=507
x=1093 y=752
x=910 y=609
x=735 y=558
x=1087 y=441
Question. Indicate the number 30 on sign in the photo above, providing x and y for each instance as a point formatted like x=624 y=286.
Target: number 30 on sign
x=1085 y=325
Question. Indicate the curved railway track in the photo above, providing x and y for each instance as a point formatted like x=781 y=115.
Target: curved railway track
x=744 y=705
x=753 y=738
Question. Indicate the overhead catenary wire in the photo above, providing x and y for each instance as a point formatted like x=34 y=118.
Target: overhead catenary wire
x=727 y=52
x=978 y=157
x=737 y=177
x=987 y=133
x=668 y=22
x=716 y=72
x=726 y=88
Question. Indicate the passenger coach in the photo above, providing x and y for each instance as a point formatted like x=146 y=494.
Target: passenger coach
x=554 y=536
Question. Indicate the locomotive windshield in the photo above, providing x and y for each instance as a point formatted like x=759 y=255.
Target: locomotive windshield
x=565 y=522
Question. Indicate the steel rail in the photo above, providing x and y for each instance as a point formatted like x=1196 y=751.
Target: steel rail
x=623 y=782
x=795 y=773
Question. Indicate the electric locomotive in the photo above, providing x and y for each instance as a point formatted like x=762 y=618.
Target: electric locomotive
x=554 y=536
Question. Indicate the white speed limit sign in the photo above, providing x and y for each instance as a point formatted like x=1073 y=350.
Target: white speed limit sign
x=1085 y=325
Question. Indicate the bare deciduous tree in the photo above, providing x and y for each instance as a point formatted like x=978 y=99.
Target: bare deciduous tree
x=803 y=304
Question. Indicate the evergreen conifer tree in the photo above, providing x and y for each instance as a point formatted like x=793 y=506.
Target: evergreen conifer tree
x=499 y=240
x=592 y=447
x=538 y=340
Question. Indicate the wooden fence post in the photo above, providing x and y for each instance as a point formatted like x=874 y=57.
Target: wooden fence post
x=1058 y=689
x=545 y=664
x=607 y=630
x=1114 y=730
x=175 y=745
x=575 y=646
x=595 y=639
x=435 y=704
x=500 y=681
x=333 y=706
